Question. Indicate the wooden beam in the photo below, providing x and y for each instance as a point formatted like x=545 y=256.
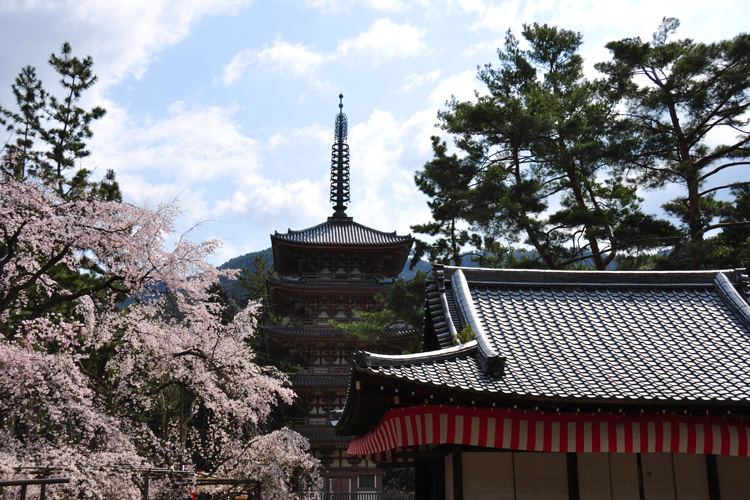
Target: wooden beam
x=26 y=482
x=458 y=474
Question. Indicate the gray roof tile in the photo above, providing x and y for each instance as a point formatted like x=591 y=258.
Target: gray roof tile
x=644 y=336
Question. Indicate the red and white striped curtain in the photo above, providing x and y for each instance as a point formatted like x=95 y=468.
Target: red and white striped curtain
x=407 y=428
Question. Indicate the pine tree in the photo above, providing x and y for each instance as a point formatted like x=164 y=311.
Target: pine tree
x=403 y=306
x=71 y=123
x=447 y=180
x=542 y=160
x=680 y=96
x=25 y=123
x=51 y=132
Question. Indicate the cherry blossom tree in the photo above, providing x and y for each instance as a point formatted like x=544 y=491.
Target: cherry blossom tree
x=113 y=355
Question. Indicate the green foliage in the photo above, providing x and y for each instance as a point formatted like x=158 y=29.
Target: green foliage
x=24 y=124
x=253 y=281
x=59 y=125
x=730 y=248
x=71 y=123
x=246 y=260
x=403 y=305
x=542 y=161
x=245 y=263
x=406 y=300
x=447 y=180
x=681 y=96
x=44 y=129
x=371 y=325
x=467 y=334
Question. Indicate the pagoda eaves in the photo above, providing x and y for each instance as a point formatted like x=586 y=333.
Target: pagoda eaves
x=335 y=237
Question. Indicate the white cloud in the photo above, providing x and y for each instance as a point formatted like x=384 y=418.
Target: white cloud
x=314 y=134
x=260 y=197
x=277 y=140
x=385 y=153
x=461 y=86
x=605 y=21
x=188 y=156
x=122 y=37
x=277 y=192
x=233 y=70
x=418 y=80
x=382 y=42
x=509 y=14
x=485 y=46
x=26 y=5
x=182 y=157
x=422 y=124
x=280 y=57
x=190 y=143
x=389 y=5
x=141 y=191
x=328 y=6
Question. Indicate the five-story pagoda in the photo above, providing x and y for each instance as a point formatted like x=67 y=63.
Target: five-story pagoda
x=330 y=271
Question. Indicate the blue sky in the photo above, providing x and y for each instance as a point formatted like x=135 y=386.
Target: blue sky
x=228 y=106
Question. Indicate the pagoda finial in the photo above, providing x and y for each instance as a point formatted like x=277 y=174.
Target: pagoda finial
x=340 y=165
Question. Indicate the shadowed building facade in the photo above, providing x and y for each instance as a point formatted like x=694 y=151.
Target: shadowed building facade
x=329 y=272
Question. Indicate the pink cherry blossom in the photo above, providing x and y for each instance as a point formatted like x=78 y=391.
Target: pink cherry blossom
x=101 y=390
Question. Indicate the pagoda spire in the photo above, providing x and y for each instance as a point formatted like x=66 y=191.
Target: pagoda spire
x=340 y=165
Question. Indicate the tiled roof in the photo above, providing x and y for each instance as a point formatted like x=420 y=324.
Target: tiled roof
x=342 y=232
x=597 y=336
x=458 y=369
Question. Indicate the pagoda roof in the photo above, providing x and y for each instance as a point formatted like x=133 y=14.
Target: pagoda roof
x=550 y=338
x=322 y=434
x=341 y=232
x=322 y=381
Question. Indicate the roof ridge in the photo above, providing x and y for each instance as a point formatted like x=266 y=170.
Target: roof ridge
x=340 y=222
x=491 y=361
x=444 y=302
x=549 y=277
x=732 y=298
x=344 y=231
x=366 y=359
x=589 y=271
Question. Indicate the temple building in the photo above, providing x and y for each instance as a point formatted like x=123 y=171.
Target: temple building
x=577 y=385
x=329 y=272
